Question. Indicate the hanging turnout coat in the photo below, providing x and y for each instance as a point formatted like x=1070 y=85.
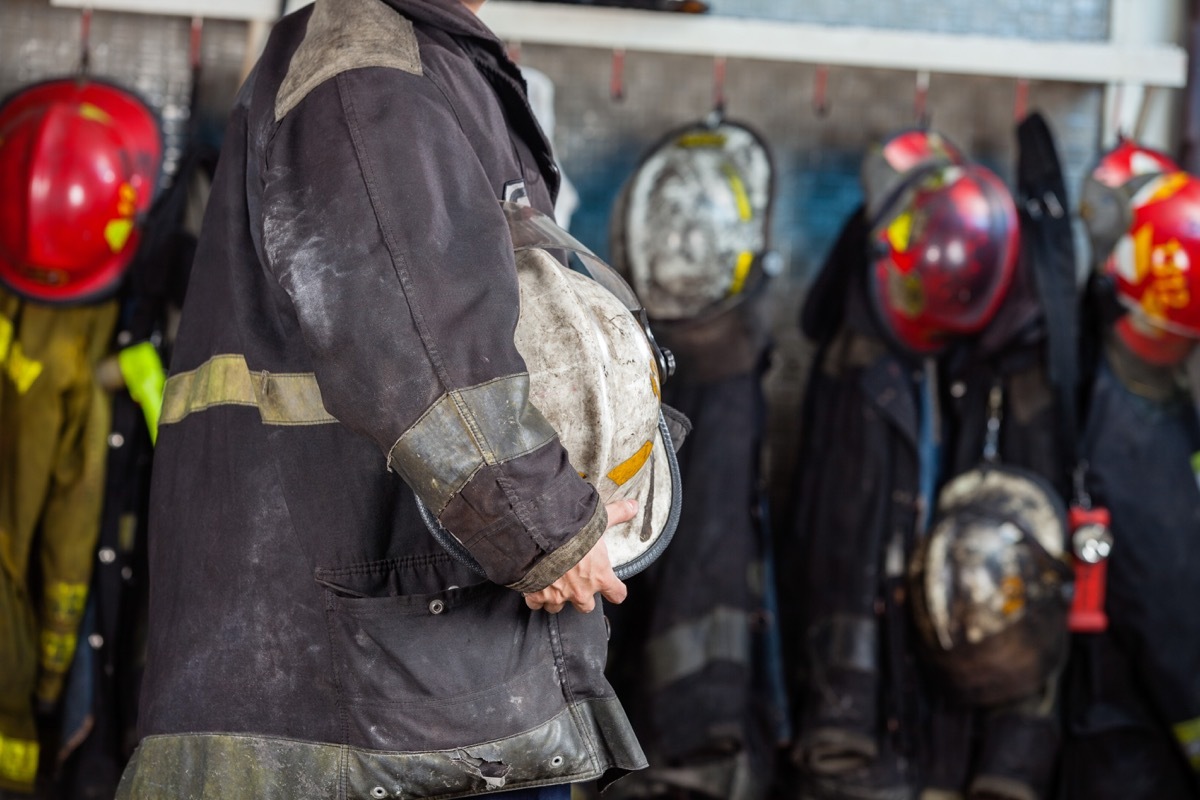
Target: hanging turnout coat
x=347 y=335
x=54 y=420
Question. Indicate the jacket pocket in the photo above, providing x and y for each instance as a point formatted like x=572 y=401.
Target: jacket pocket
x=439 y=669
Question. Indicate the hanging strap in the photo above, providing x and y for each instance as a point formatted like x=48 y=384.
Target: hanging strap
x=1049 y=244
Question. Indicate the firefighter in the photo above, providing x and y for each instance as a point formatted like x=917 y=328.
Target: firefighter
x=1133 y=691
x=79 y=162
x=347 y=357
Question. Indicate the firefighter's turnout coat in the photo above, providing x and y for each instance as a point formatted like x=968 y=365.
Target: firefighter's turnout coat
x=347 y=335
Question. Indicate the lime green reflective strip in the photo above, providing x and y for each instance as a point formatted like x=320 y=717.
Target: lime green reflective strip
x=18 y=762
x=1188 y=735
x=225 y=380
x=145 y=378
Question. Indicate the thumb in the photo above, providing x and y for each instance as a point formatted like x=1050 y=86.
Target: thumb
x=621 y=511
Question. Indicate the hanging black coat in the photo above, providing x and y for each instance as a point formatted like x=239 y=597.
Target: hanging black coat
x=1133 y=692
x=851 y=677
x=687 y=656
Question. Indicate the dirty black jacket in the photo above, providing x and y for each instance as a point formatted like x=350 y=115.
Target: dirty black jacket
x=347 y=339
x=845 y=623
x=1133 y=692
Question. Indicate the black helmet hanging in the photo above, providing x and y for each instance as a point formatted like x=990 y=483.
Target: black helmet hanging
x=989 y=585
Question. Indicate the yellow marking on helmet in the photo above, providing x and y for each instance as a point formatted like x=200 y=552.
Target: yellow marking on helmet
x=18 y=760
x=621 y=473
x=690 y=140
x=126 y=200
x=117 y=233
x=94 y=113
x=740 y=196
x=1166 y=187
x=741 y=272
x=1013 y=590
x=899 y=232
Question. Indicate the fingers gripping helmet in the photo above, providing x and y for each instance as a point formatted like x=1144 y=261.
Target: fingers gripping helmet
x=595 y=374
x=79 y=162
x=691 y=226
x=1143 y=218
x=945 y=240
x=988 y=585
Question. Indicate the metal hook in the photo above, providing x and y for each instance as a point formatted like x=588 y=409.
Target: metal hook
x=820 y=99
x=719 y=88
x=1021 y=100
x=616 y=86
x=921 y=99
x=85 y=36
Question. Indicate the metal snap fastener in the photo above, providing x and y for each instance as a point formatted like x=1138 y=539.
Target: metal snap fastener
x=107 y=555
x=436 y=606
x=958 y=389
x=96 y=641
x=116 y=440
x=379 y=791
x=557 y=761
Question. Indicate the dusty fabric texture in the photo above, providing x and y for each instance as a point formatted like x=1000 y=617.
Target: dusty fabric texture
x=359 y=240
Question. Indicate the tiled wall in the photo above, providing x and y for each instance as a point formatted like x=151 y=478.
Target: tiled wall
x=600 y=140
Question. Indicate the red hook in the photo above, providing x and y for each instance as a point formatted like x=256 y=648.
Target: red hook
x=921 y=99
x=616 y=86
x=820 y=100
x=197 y=34
x=85 y=36
x=719 y=85
x=1021 y=101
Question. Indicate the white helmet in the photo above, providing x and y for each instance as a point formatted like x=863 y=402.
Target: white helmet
x=595 y=373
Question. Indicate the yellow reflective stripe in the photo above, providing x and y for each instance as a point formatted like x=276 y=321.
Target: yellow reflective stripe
x=22 y=369
x=225 y=380
x=701 y=139
x=18 y=760
x=1188 y=735
x=65 y=602
x=142 y=369
x=740 y=272
x=740 y=195
x=621 y=473
x=57 y=650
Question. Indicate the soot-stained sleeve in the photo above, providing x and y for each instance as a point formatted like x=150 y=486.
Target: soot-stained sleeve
x=382 y=226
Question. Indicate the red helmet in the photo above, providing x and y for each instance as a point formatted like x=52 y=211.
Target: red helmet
x=946 y=254
x=1155 y=267
x=79 y=162
x=1105 y=201
x=891 y=165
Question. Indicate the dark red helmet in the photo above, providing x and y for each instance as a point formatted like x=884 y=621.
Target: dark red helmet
x=945 y=255
x=79 y=163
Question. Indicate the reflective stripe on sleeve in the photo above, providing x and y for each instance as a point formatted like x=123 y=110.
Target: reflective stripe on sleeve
x=225 y=380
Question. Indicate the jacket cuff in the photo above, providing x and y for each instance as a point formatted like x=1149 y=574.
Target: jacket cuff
x=555 y=564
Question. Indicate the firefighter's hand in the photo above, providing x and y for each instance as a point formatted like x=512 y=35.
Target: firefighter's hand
x=593 y=573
